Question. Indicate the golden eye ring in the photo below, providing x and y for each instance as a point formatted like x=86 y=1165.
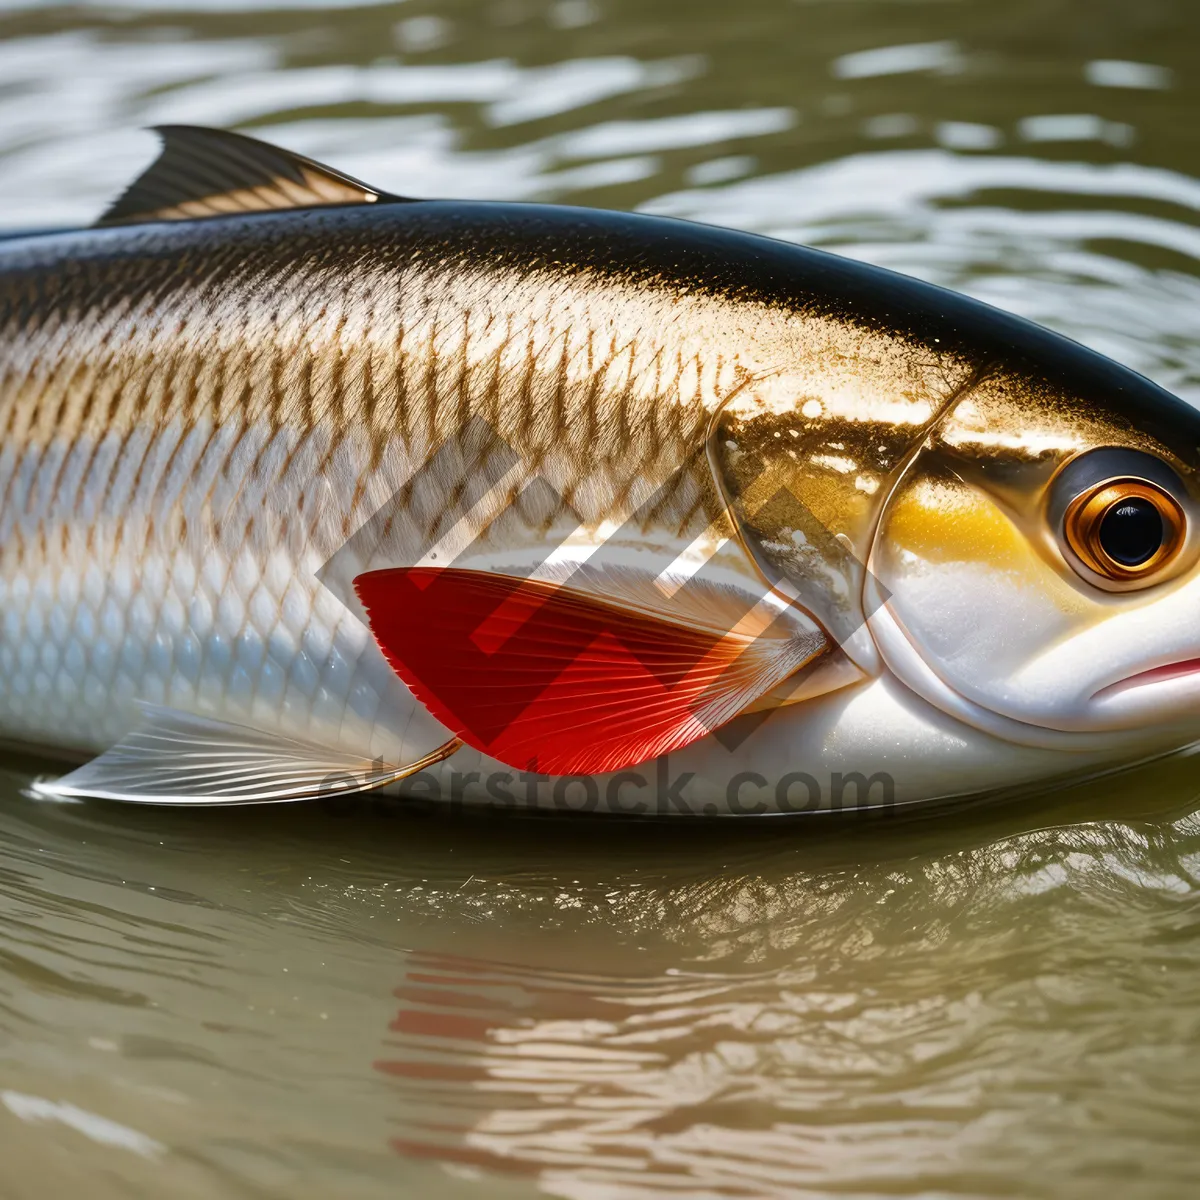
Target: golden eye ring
x=1125 y=529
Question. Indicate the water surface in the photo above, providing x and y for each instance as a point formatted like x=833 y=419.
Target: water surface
x=997 y=1001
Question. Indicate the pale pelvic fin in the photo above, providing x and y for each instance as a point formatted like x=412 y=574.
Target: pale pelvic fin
x=211 y=173
x=174 y=757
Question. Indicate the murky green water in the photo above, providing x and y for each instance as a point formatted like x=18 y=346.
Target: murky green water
x=1003 y=1001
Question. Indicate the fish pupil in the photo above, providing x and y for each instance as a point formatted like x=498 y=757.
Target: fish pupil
x=1131 y=532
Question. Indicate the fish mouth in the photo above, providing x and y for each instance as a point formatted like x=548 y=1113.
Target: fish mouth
x=1167 y=673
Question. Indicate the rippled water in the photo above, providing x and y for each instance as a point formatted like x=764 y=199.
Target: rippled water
x=1003 y=1001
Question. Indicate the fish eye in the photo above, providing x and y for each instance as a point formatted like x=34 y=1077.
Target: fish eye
x=1125 y=529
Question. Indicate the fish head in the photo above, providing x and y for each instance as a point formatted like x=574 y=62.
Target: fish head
x=1004 y=521
x=1035 y=567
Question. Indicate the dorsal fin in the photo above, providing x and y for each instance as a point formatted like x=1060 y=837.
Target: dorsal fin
x=211 y=172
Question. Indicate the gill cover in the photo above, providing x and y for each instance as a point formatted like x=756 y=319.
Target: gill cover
x=806 y=457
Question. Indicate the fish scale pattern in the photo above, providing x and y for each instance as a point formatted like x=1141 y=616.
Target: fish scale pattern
x=194 y=433
x=105 y=623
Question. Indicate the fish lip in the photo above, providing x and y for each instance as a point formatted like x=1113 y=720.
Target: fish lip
x=1152 y=676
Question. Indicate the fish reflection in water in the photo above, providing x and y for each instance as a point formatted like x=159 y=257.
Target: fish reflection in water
x=865 y=1006
x=817 y=1039
x=585 y=1080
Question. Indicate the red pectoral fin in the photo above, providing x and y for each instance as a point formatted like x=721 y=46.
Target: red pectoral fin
x=547 y=678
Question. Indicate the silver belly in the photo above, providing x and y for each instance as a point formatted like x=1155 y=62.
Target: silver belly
x=183 y=570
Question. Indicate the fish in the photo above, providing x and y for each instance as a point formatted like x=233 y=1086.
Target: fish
x=308 y=489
